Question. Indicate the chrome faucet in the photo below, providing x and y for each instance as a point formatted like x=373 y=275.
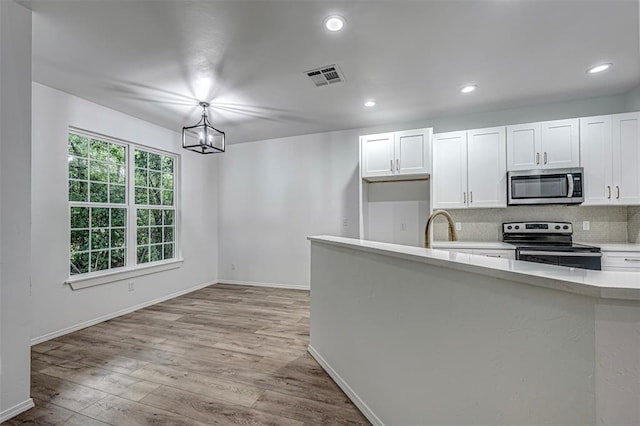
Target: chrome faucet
x=453 y=235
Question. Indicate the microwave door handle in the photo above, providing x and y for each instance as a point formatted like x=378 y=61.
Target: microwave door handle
x=570 y=183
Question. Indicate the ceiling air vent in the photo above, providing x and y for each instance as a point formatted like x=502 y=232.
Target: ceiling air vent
x=325 y=75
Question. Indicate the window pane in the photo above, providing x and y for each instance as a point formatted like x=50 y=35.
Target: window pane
x=98 y=172
x=79 y=217
x=167 y=181
x=168 y=234
x=99 y=150
x=168 y=251
x=143 y=254
x=99 y=260
x=116 y=194
x=141 y=159
x=79 y=263
x=118 y=217
x=154 y=162
x=168 y=217
x=167 y=198
x=142 y=196
x=99 y=217
x=118 y=237
x=99 y=239
x=155 y=197
x=98 y=192
x=154 y=179
x=156 y=235
x=118 y=258
x=156 y=253
x=141 y=177
x=143 y=217
x=117 y=174
x=117 y=154
x=167 y=164
x=78 y=191
x=78 y=168
x=78 y=145
x=156 y=217
x=142 y=236
x=79 y=241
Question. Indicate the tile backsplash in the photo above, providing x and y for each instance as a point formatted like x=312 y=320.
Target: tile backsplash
x=607 y=224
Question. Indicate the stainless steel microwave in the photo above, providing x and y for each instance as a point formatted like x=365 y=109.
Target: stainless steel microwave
x=550 y=186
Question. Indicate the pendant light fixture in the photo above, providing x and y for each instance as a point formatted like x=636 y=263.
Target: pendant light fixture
x=202 y=137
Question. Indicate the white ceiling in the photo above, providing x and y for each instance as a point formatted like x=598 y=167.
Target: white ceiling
x=155 y=59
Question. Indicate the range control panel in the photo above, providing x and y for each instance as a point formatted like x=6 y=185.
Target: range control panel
x=537 y=228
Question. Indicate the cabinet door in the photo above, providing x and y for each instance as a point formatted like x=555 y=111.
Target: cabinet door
x=487 y=167
x=596 y=158
x=626 y=158
x=523 y=147
x=450 y=170
x=560 y=143
x=377 y=155
x=412 y=149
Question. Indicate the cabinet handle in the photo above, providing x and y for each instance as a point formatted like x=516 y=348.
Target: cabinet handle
x=545 y=158
x=617 y=192
x=537 y=158
x=637 y=259
x=391 y=165
x=464 y=198
x=397 y=165
x=493 y=255
x=471 y=196
x=609 y=191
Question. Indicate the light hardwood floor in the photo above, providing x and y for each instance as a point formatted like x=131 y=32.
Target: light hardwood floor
x=221 y=355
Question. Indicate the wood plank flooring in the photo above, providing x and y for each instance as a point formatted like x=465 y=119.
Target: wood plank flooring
x=220 y=355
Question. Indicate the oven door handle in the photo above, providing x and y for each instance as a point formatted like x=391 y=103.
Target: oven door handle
x=570 y=183
x=558 y=253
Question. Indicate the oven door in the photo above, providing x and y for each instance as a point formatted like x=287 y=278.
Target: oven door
x=545 y=187
x=583 y=260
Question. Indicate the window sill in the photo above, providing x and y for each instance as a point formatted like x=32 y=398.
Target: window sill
x=77 y=283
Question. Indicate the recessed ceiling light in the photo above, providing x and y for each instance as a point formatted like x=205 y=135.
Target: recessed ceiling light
x=599 y=68
x=334 y=23
x=370 y=104
x=468 y=89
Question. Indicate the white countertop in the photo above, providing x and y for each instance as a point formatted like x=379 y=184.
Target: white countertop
x=495 y=245
x=616 y=246
x=602 y=284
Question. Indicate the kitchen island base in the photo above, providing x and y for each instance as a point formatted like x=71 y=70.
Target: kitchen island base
x=421 y=342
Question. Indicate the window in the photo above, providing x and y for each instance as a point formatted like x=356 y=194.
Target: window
x=118 y=220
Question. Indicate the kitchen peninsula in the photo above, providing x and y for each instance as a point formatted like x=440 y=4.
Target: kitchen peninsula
x=419 y=336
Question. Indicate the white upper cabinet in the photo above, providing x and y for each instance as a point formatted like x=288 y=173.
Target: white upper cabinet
x=487 y=167
x=610 y=154
x=469 y=169
x=396 y=156
x=546 y=145
x=377 y=155
x=449 y=181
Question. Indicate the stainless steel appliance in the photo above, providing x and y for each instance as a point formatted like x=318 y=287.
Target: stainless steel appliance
x=550 y=243
x=551 y=186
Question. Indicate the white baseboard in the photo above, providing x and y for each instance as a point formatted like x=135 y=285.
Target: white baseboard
x=261 y=284
x=16 y=409
x=112 y=315
x=353 y=396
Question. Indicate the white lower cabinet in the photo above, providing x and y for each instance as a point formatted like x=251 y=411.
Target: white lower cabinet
x=469 y=169
x=623 y=261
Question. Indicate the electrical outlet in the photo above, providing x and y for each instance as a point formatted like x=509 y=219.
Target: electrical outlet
x=131 y=286
x=345 y=222
x=586 y=225
x=403 y=226
x=458 y=226
x=233 y=266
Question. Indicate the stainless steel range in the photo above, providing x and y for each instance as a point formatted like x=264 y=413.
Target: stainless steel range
x=550 y=243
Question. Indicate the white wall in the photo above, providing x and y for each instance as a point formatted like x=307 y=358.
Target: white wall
x=15 y=136
x=55 y=306
x=275 y=193
x=633 y=99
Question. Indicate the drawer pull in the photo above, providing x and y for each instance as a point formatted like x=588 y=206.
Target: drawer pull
x=637 y=259
x=493 y=255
